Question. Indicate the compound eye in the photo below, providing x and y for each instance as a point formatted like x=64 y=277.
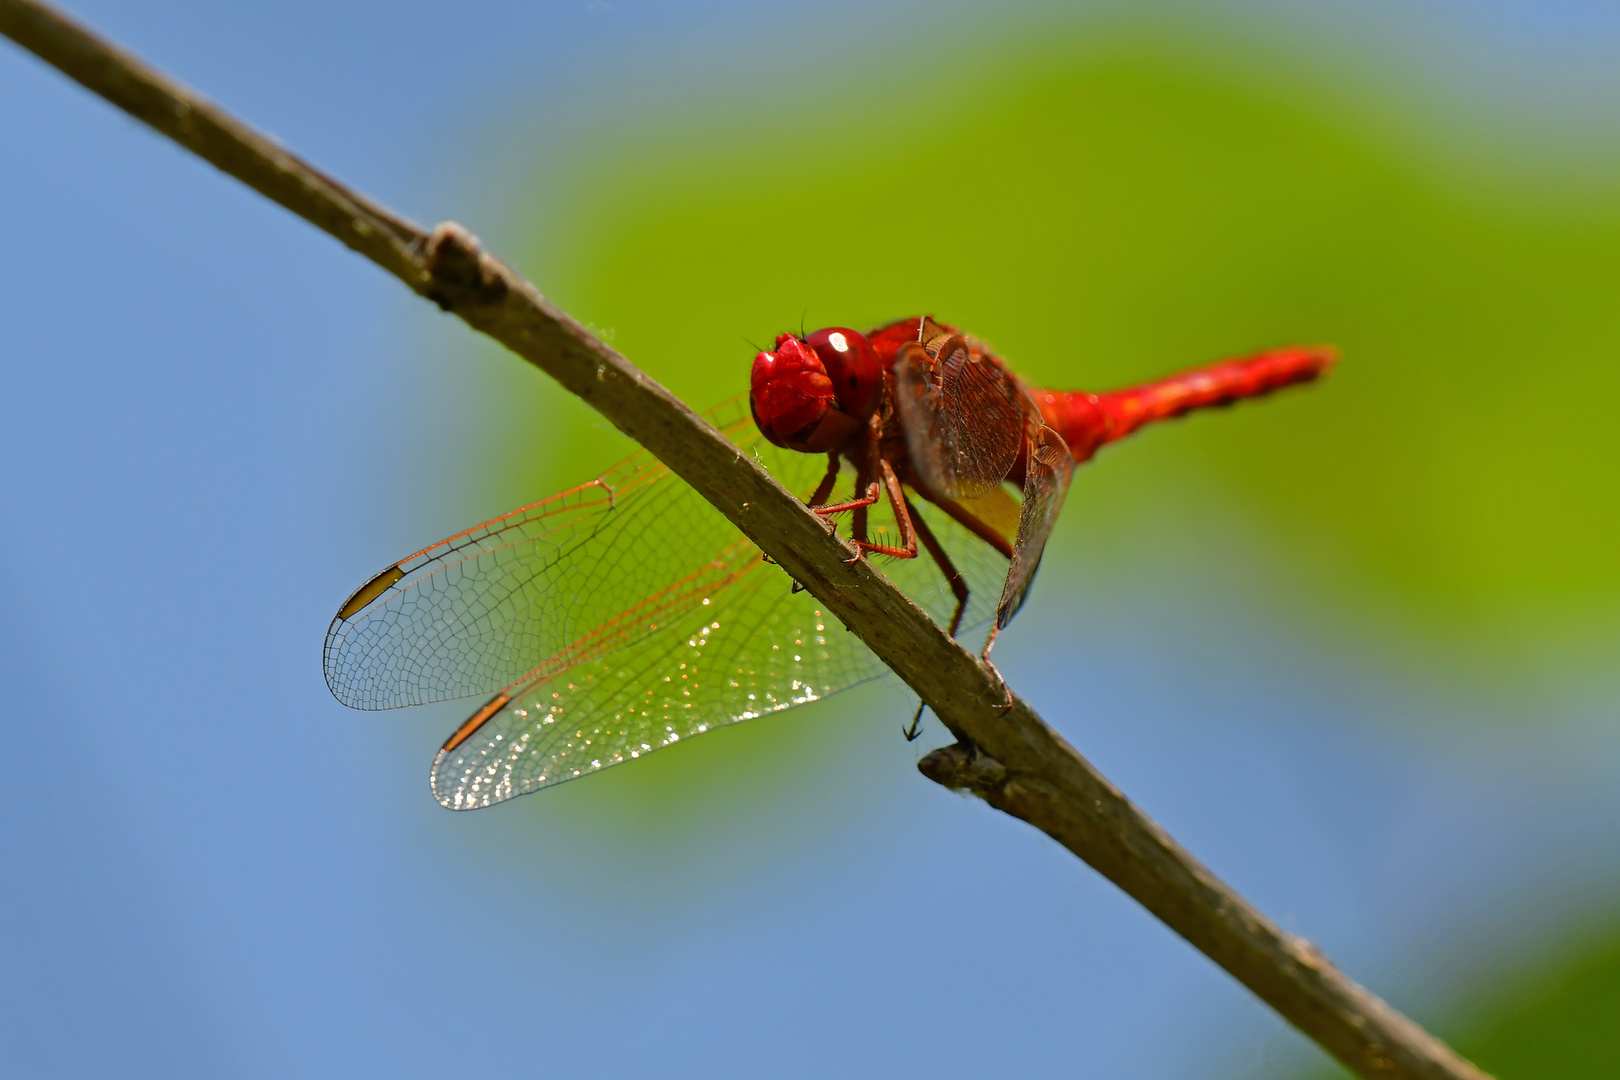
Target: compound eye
x=852 y=365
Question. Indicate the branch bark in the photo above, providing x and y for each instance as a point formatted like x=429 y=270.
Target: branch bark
x=1012 y=761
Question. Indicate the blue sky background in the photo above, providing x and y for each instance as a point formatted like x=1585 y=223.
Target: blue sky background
x=215 y=422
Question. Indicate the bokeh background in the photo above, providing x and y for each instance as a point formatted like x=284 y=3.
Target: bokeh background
x=1354 y=646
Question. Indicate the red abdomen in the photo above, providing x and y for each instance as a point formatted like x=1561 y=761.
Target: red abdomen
x=1089 y=421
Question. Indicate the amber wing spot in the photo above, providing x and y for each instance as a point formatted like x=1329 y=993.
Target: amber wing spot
x=475 y=721
x=368 y=592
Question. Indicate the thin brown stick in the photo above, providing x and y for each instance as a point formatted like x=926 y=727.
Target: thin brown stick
x=1012 y=761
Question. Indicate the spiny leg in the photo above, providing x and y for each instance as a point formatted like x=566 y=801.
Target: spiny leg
x=907 y=549
x=858 y=529
x=872 y=495
x=911 y=527
x=858 y=504
x=863 y=482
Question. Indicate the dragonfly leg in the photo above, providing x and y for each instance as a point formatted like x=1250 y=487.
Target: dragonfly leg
x=857 y=520
x=995 y=673
x=912 y=730
x=952 y=576
x=864 y=479
x=859 y=506
x=873 y=494
x=907 y=549
x=824 y=489
x=768 y=561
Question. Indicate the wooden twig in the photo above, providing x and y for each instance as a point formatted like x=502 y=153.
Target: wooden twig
x=1011 y=760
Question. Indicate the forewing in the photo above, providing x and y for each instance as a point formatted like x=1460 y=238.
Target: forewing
x=1046 y=482
x=962 y=417
x=613 y=620
x=749 y=646
x=494 y=605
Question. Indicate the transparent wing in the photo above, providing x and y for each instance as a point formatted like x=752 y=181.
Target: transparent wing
x=962 y=414
x=1047 y=472
x=749 y=647
x=488 y=606
x=613 y=620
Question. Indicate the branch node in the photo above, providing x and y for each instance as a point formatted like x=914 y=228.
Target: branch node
x=964 y=767
x=460 y=271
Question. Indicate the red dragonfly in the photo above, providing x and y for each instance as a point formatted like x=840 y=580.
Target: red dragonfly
x=627 y=614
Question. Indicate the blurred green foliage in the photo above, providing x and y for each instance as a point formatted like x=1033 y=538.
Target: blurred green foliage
x=1564 y=1023
x=1559 y=1023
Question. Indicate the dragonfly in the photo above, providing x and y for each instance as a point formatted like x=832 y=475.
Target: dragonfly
x=627 y=614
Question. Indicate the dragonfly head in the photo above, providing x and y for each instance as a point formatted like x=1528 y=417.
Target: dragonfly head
x=812 y=393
